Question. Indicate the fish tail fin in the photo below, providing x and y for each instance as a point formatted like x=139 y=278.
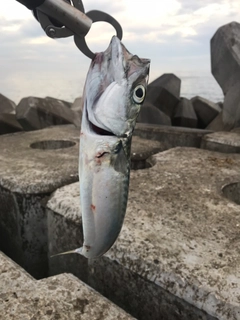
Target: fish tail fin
x=79 y=251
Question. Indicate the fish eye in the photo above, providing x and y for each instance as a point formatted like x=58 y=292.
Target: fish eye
x=139 y=93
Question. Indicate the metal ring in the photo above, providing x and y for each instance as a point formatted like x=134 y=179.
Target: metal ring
x=97 y=16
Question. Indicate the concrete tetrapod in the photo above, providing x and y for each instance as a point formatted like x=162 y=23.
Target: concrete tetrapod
x=152 y=115
x=9 y=123
x=177 y=254
x=225 y=60
x=171 y=137
x=164 y=93
x=33 y=165
x=225 y=142
x=6 y=105
x=36 y=113
x=206 y=111
x=185 y=115
x=62 y=297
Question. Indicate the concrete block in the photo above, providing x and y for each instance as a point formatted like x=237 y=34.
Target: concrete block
x=225 y=55
x=164 y=93
x=12 y=276
x=6 y=105
x=141 y=150
x=60 y=297
x=33 y=165
x=185 y=115
x=77 y=105
x=177 y=254
x=37 y=113
x=205 y=110
x=237 y=130
x=152 y=115
x=218 y=125
x=231 y=107
x=226 y=142
x=171 y=137
x=65 y=232
x=9 y=123
x=77 y=109
x=59 y=102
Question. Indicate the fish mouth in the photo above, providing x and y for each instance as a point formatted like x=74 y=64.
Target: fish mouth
x=96 y=129
x=99 y=131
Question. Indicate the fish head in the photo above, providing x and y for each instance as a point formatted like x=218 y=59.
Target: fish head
x=115 y=89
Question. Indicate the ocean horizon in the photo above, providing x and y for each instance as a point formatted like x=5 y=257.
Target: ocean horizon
x=17 y=86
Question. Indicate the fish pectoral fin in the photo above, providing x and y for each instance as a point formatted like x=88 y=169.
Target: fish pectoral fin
x=120 y=163
x=79 y=251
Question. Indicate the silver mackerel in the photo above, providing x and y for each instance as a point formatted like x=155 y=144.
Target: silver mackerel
x=114 y=91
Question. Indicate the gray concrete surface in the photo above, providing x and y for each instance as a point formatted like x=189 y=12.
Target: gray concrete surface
x=12 y=276
x=6 y=105
x=151 y=114
x=217 y=124
x=37 y=113
x=225 y=56
x=226 y=142
x=35 y=171
x=33 y=165
x=65 y=232
x=27 y=178
x=225 y=64
x=231 y=106
x=205 y=110
x=184 y=115
x=171 y=137
x=232 y=192
x=177 y=256
x=236 y=130
x=60 y=102
x=141 y=150
x=164 y=93
x=9 y=123
x=77 y=105
x=59 y=297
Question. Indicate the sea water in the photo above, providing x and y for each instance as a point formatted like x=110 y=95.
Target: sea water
x=16 y=86
x=200 y=84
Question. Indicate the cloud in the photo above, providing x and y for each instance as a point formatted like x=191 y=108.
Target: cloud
x=174 y=34
x=14 y=11
x=111 y=7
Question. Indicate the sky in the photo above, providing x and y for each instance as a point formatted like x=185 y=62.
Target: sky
x=174 y=34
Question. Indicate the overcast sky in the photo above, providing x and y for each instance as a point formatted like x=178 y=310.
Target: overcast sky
x=174 y=34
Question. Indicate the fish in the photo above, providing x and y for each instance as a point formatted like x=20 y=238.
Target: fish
x=114 y=91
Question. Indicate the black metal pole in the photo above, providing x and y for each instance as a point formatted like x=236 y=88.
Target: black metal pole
x=31 y=4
